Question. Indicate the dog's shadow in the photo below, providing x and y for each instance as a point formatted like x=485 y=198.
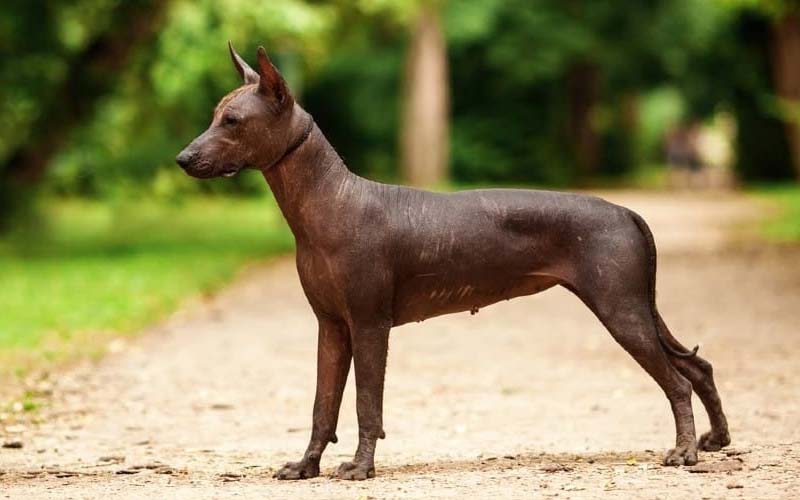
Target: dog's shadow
x=548 y=463
x=545 y=462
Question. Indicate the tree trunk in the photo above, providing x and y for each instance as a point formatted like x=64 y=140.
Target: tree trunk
x=424 y=136
x=92 y=74
x=582 y=93
x=786 y=76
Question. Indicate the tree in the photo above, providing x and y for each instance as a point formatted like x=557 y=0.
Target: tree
x=424 y=135
x=583 y=92
x=786 y=75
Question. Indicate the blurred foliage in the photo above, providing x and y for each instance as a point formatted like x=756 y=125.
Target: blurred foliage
x=658 y=63
x=784 y=224
x=773 y=8
x=512 y=73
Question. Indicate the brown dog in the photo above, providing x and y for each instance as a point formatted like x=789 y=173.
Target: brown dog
x=372 y=256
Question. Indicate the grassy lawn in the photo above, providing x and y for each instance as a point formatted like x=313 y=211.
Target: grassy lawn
x=784 y=224
x=96 y=270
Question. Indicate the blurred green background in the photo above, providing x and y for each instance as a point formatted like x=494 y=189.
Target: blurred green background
x=101 y=234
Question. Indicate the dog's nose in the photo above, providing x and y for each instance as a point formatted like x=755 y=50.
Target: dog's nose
x=184 y=159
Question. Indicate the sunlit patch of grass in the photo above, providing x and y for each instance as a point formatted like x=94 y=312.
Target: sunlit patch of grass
x=783 y=225
x=95 y=270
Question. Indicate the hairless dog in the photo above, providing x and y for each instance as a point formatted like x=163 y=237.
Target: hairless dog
x=372 y=256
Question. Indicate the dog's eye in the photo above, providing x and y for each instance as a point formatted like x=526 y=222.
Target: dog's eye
x=230 y=120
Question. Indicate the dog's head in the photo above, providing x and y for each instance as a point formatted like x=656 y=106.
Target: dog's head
x=251 y=125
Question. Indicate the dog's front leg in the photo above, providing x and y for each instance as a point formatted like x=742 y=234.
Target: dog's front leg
x=370 y=346
x=333 y=364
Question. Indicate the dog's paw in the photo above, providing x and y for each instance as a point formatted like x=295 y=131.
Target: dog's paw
x=714 y=441
x=304 y=469
x=354 y=471
x=681 y=455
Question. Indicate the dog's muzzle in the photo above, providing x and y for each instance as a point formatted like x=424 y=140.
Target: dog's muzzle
x=185 y=159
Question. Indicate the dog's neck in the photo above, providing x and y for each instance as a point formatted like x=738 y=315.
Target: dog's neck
x=304 y=180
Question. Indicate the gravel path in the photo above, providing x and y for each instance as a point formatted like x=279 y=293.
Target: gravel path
x=527 y=399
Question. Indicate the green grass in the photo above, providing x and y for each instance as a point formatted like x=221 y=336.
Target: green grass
x=784 y=223
x=97 y=270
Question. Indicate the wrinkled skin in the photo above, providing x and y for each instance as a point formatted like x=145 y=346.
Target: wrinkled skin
x=372 y=256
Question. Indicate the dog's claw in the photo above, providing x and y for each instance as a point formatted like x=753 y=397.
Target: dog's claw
x=713 y=441
x=681 y=455
x=354 y=471
x=304 y=469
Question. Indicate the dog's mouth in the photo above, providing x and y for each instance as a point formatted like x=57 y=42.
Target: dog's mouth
x=229 y=171
x=208 y=171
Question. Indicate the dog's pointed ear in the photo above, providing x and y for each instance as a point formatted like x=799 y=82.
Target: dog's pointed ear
x=271 y=82
x=245 y=71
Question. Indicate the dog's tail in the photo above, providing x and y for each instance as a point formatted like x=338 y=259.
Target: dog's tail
x=668 y=342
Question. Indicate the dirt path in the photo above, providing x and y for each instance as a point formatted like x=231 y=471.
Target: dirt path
x=528 y=399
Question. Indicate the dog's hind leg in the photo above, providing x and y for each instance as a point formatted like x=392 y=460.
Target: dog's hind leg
x=630 y=322
x=615 y=279
x=700 y=374
x=691 y=366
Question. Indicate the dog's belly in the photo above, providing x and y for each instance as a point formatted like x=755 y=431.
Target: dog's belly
x=468 y=257
x=429 y=295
